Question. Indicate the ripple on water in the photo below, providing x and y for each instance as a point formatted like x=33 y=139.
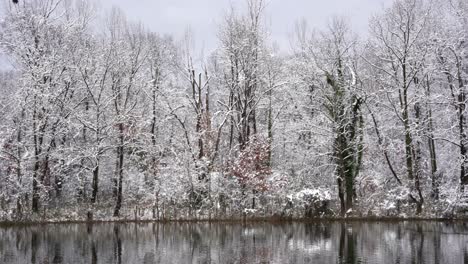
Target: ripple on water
x=326 y=242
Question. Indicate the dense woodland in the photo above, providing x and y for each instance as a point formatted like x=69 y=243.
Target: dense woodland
x=103 y=119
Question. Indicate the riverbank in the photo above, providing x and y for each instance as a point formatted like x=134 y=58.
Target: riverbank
x=236 y=220
x=103 y=213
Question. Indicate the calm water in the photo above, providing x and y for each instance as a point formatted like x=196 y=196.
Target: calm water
x=356 y=242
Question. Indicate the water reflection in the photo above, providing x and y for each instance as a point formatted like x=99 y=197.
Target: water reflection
x=336 y=242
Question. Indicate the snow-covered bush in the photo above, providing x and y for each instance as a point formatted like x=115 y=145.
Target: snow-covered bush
x=312 y=202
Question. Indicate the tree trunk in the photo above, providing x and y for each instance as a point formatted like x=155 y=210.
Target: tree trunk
x=120 y=153
x=463 y=140
x=35 y=184
x=95 y=182
x=460 y=106
x=341 y=195
x=417 y=160
x=270 y=127
x=431 y=145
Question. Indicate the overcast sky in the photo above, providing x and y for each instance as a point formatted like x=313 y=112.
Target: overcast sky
x=204 y=16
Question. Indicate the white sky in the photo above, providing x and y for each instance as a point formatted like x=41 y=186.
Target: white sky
x=204 y=16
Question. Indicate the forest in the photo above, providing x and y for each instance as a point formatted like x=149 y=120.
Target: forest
x=102 y=119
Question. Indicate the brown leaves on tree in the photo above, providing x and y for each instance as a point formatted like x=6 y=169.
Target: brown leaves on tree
x=251 y=168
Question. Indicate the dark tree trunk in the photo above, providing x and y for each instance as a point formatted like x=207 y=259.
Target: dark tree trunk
x=95 y=182
x=35 y=194
x=463 y=140
x=35 y=184
x=120 y=153
x=431 y=145
x=341 y=195
x=417 y=161
x=460 y=106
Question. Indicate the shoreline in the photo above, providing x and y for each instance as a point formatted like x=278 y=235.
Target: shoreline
x=253 y=220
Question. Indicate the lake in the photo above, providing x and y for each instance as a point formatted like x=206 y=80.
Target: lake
x=318 y=242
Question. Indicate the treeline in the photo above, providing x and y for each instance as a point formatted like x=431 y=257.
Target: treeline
x=102 y=116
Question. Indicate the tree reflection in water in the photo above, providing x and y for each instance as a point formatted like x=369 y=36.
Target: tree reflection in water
x=324 y=242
